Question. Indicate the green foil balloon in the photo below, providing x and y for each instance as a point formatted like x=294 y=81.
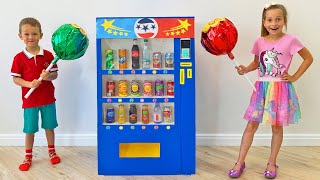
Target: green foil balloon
x=69 y=42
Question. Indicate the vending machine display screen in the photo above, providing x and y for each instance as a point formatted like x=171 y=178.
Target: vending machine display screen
x=185 y=49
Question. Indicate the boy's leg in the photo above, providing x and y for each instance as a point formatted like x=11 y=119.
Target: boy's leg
x=49 y=122
x=54 y=158
x=30 y=127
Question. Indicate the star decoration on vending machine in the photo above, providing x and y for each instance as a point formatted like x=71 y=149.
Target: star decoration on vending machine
x=114 y=30
x=177 y=30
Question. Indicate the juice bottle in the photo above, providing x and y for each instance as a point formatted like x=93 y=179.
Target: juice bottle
x=121 y=114
x=145 y=114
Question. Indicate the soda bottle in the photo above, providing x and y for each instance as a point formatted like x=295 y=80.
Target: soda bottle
x=145 y=114
x=157 y=113
x=133 y=117
x=121 y=114
x=135 y=55
x=146 y=56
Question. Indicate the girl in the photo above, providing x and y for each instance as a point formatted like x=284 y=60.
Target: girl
x=275 y=102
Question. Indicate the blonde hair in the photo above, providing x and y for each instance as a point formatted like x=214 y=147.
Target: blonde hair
x=264 y=31
x=31 y=21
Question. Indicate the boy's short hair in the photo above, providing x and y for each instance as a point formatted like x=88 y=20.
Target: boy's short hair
x=31 y=21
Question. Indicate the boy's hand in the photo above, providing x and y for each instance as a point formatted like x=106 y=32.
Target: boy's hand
x=35 y=83
x=242 y=69
x=286 y=77
x=45 y=75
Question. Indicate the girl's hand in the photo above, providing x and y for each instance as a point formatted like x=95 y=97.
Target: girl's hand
x=34 y=84
x=45 y=75
x=286 y=77
x=242 y=69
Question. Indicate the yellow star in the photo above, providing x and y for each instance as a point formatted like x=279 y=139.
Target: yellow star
x=177 y=32
x=109 y=31
x=167 y=34
x=172 y=33
x=183 y=31
x=120 y=33
x=115 y=33
x=107 y=24
x=125 y=34
x=184 y=24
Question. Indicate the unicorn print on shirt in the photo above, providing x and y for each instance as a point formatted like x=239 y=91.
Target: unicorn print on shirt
x=269 y=63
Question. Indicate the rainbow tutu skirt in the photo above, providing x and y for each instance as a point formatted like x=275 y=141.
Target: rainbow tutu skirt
x=275 y=103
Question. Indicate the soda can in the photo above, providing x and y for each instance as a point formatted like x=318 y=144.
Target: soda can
x=157 y=60
x=135 y=88
x=170 y=88
x=169 y=60
x=122 y=59
x=147 y=88
x=123 y=88
x=111 y=88
x=110 y=115
x=167 y=114
x=109 y=59
x=159 y=87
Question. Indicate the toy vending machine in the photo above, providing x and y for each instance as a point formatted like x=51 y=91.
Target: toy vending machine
x=145 y=95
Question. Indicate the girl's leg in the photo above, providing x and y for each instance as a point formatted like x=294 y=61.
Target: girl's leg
x=246 y=142
x=277 y=136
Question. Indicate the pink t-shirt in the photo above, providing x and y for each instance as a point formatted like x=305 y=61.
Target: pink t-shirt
x=275 y=58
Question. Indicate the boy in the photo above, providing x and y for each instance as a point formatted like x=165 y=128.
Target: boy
x=27 y=67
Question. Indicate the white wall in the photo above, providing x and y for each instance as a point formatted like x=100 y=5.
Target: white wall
x=222 y=95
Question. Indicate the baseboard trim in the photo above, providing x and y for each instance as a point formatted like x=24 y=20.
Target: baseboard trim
x=40 y=140
x=201 y=139
x=259 y=139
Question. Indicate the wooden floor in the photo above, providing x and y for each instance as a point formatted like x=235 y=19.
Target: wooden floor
x=301 y=163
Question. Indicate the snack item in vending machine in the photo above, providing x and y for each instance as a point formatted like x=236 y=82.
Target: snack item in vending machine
x=111 y=88
x=123 y=88
x=145 y=114
x=170 y=88
x=122 y=59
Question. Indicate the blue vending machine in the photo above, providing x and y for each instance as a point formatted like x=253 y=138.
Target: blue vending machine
x=146 y=97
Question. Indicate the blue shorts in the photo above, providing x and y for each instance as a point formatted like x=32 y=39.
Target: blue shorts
x=48 y=118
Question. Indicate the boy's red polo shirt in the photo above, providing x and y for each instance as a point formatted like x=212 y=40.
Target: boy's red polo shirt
x=29 y=67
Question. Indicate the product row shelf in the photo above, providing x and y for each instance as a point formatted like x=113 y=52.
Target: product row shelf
x=136 y=71
x=142 y=99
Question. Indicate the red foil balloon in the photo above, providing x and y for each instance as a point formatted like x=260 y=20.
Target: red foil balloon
x=219 y=37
